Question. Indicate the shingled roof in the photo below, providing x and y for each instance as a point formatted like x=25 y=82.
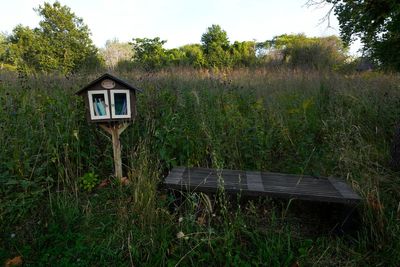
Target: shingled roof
x=111 y=77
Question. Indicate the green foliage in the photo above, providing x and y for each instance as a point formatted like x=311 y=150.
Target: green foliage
x=318 y=52
x=216 y=52
x=193 y=55
x=149 y=53
x=89 y=181
x=215 y=44
x=175 y=56
x=61 y=43
x=67 y=36
x=214 y=36
x=244 y=53
x=376 y=23
x=25 y=49
x=3 y=47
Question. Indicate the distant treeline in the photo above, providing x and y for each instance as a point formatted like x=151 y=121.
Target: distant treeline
x=62 y=43
x=215 y=51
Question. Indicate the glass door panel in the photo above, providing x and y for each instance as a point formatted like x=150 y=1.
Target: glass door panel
x=120 y=104
x=98 y=103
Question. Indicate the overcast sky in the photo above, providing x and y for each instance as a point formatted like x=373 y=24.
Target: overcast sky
x=182 y=21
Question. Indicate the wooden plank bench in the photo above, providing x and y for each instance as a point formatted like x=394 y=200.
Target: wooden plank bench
x=255 y=183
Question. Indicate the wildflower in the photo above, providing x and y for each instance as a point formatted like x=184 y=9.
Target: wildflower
x=180 y=235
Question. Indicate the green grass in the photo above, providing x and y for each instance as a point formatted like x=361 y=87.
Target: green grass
x=271 y=120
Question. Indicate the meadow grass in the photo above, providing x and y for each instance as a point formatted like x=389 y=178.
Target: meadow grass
x=281 y=120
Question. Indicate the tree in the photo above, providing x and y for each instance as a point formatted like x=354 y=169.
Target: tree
x=244 y=53
x=3 y=45
x=60 y=43
x=149 y=53
x=376 y=23
x=175 y=57
x=66 y=37
x=214 y=35
x=299 y=50
x=24 y=49
x=215 y=45
x=116 y=52
x=194 y=55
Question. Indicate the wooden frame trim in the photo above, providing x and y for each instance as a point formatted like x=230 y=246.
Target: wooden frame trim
x=91 y=107
x=128 y=103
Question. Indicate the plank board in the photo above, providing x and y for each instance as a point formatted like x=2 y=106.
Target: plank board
x=255 y=183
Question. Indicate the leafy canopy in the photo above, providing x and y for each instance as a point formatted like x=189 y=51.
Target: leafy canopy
x=299 y=50
x=214 y=36
x=60 y=43
x=3 y=45
x=215 y=44
x=149 y=53
x=193 y=55
x=244 y=53
x=376 y=23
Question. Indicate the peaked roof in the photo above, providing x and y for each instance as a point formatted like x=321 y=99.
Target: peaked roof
x=111 y=77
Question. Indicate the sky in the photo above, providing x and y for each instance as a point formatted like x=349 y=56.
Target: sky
x=183 y=22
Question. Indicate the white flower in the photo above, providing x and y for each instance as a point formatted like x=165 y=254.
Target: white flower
x=180 y=235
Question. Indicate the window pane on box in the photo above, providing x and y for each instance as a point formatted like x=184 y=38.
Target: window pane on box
x=99 y=105
x=120 y=104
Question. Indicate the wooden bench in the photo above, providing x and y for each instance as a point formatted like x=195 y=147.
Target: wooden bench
x=255 y=183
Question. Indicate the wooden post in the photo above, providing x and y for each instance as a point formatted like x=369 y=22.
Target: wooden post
x=117 y=152
x=115 y=131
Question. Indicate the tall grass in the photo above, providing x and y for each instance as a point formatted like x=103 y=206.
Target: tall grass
x=255 y=119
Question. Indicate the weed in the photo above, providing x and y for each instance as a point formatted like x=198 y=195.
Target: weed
x=89 y=181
